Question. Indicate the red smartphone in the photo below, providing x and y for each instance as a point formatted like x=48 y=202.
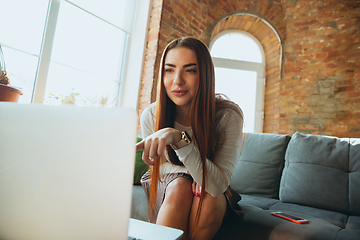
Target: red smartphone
x=290 y=217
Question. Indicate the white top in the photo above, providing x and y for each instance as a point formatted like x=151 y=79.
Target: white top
x=219 y=171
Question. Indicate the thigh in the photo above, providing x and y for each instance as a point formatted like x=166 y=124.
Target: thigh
x=212 y=214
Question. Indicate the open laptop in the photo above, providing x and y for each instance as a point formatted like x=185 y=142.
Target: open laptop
x=66 y=172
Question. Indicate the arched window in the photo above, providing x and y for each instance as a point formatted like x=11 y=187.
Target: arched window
x=240 y=74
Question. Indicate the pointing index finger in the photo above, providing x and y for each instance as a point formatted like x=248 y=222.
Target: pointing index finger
x=140 y=146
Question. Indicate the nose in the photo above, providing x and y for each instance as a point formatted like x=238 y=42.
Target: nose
x=178 y=79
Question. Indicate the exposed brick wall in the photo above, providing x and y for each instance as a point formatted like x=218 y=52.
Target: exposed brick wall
x=318 y=88
x=151 y=54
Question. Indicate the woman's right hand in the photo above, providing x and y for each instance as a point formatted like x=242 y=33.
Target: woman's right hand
x=196 y=188
x=154 y=145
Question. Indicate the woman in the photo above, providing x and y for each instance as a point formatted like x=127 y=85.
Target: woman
x=191 y=141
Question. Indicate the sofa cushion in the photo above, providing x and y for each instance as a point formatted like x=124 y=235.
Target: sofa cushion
x=259 y=168
x=335 y=218
x=338 y=219
x=348 y=234
x=260 y=224
x=260 y=202
x=317 y=173
x=139 y=204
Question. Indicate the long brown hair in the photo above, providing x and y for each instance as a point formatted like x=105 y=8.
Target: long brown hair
x=202 y=114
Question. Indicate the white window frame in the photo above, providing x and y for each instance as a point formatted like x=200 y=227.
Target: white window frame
x=259 y=68
x=134 y=56
x=132 y=64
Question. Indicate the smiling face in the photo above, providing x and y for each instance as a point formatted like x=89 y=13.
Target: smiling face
x=181 y=77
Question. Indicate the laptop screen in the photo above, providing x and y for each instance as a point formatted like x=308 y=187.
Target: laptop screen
x=66 y=172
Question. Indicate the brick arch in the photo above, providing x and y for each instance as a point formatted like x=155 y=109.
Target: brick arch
x=271 y=43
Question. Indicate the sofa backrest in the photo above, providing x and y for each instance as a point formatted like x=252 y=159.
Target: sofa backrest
x=258 y=170
x=322 y=172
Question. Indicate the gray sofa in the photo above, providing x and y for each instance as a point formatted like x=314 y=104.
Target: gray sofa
x=310 y=176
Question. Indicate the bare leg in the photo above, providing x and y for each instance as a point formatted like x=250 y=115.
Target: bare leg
x=174 y=212
x=212 y=213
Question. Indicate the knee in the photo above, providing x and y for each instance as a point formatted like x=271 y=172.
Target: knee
x=179 y=192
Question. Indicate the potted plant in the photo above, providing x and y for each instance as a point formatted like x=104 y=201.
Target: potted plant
x=7 y=92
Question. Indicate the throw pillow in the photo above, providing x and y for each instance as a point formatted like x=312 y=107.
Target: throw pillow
x=140 y=166
x=259 y=168
x=317 y=172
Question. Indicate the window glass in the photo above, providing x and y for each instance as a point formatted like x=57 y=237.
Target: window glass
x=73 y=47
x=86 y=57
x=239 y=70
x=67 y=85
x=22 y=24
x=237 y=46
x=87 y=43
x=240 y=87
x=117 y=12
x=22 y=27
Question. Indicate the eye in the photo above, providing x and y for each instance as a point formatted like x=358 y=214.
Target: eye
x=168 y=70
x=191 y=70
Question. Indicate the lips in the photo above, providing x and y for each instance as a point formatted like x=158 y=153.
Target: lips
x=179 y=93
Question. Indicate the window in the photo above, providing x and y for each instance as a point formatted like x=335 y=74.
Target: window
x=240 y=74
x=21 y=36
x=73 y=51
